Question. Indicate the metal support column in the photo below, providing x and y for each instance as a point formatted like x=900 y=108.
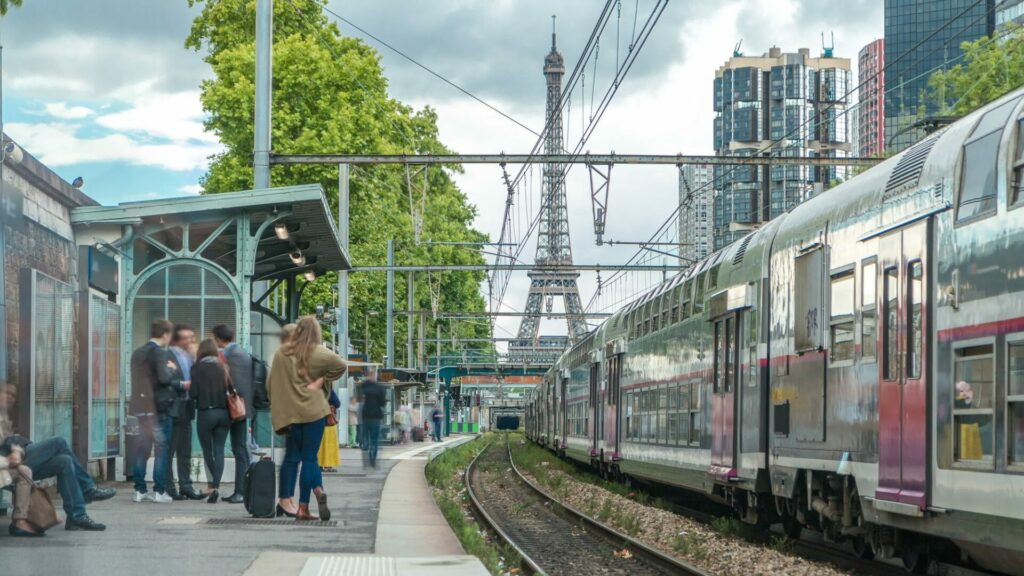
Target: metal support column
x=342 y=311
x=264 y=67
x=390 y=321
x=409 y=327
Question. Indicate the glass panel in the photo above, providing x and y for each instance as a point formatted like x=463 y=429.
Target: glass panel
x=995 y=119
x=915 y=275
x=978 y=180
x=52 y=341
x=842 y=342
x=185 y=280
x=973 y=374
x=973 y=437
x=1016 y=439
x=842 y=295
x=105 y=378
x=154 y=285
x=890 y=346
x=719 y=337
x=1015 y=369
x=730 y=355
x=867 y=334
x=1017 y=186
x=867 y=284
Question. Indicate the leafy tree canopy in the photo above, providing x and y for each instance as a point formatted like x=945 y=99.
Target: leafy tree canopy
x=6 y=5
x=991 y=67
x=330 y=95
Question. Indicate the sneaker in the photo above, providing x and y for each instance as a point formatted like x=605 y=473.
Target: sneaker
x=99 y=494
x=83 y=522
x=162 y=498
x=142 y=497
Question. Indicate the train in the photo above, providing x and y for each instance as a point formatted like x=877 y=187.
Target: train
x=853 y=367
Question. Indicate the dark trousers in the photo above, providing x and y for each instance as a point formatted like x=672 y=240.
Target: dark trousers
x=213 y=426
x=301 y=447
x=437 y=429
x=240 y=448
x=371 y=440
x=53 y=457
x=154 y=437
x=181 y=449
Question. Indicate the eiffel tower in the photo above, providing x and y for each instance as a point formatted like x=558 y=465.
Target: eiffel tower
x=553 y=247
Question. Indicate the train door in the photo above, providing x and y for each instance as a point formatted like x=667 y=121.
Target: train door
x=563 y=412
x=595 y=407
x=903 y=378
x=723 y=396
x=611 y=415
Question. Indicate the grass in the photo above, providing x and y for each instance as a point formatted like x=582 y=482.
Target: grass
x=445 y=474
x=781 y=543
x=690 y=545
x=729 y=526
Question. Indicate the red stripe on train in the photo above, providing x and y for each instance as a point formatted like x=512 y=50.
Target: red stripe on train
x=980 y=330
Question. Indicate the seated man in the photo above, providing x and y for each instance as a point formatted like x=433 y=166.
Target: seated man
x=52 y=457
x=13 y=471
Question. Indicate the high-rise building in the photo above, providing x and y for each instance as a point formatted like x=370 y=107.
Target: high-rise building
x=696 y=198
x=1009 y=11
x=778 y=104
x=907 y=23
x=871 y=104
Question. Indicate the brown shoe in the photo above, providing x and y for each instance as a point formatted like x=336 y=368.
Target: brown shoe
x=303 y=513
x=321 y=506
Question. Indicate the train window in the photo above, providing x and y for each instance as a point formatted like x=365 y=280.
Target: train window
x=890 y=338
x=730 y=353
x=1017 y=186
x=1015 y=400
x=978 y=174
x=695 y=407
x=842 y=301
x=666 y=305
x=974 y=378
x=684 y=311
x=662 y=415
x=915 y=276
x=719 y=337
x=867 y=311
x=698 y=295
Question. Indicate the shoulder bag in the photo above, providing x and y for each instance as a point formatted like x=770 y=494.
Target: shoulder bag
x=236 y=404
x=41 y=513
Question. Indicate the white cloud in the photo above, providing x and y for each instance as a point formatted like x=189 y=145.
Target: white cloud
x=191 y=189
x=177 y=117
x=62 y=111
x=59 y=144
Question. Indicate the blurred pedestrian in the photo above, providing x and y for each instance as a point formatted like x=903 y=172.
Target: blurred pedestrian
x=239 y=364
x=329 y=455
x=353 y=422
x=209 y=392
x=299 y=386
x=183 y=349
x=374 y=398
x=436 y=416
x=156 y=381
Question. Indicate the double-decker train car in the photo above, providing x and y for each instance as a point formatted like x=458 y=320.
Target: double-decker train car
x=855 y=366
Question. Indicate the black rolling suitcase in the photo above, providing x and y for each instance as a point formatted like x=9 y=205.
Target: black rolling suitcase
x=261 y=489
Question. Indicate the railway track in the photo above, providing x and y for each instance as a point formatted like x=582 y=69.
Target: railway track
x=550 y=537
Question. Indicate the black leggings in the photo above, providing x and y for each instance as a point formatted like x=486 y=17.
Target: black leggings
x=213 y=426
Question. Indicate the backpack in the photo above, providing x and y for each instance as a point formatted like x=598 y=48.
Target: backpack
x=260 y=398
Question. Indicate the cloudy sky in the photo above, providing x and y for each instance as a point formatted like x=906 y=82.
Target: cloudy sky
x=106 y=90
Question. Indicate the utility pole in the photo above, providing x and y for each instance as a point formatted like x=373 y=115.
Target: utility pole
x=342 y=310
x=390 y=321
x=264 y=71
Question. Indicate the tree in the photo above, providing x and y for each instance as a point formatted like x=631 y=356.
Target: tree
x=6 y=5
x=992 y=66
x=330 y=95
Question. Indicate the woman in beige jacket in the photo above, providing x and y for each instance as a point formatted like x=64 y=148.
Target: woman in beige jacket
x=299 y=384
x=13 y=471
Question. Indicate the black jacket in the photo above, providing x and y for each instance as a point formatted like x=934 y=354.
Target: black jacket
x=208 y=388
x=374 y=400
x=240 y=367
x=156 y=379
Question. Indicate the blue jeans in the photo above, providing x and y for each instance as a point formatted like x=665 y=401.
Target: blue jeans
x=371 y=440
x=154 y=437
x=437 y=429
x=302 y=446
x=53 y=457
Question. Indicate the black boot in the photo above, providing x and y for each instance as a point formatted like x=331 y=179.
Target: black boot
x=83 y=522
x=99 y=494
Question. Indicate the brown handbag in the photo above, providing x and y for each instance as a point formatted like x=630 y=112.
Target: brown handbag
x=41 y=513
x=236 y=404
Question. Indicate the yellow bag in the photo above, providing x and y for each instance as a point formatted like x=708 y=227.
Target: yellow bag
x=970 y=442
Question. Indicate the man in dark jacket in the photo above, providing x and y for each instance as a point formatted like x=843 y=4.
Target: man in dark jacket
x=156 y=382
x=374 y=400
x=240 y=369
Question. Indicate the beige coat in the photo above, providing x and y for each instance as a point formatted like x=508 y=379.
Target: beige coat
x=290 y=401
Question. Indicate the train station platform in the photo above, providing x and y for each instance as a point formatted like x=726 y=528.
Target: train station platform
x=384 y=521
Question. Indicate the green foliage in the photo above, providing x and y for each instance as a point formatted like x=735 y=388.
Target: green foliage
x=690 y=545
x=729 y=526
x=781 y=543
x=992 y=66
x=330 y=95
x=6 y=5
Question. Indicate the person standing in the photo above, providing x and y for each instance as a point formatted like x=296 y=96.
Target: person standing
x=353 y=422
x=374 y=398
x=239 y=364
x=183 y=348
x=436 y=416
x=209 y=392
x=299 y=386
x=329 y=455
x=156 y=382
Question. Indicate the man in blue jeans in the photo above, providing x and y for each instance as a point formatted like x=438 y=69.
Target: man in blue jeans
x=53 y=458
x=374 y=398
x=156 y=381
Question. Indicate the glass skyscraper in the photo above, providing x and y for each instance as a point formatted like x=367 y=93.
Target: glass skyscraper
x=908 y=22
x=777 y=104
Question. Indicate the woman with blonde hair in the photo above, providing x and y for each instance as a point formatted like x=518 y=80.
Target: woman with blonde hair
x=299 y=386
